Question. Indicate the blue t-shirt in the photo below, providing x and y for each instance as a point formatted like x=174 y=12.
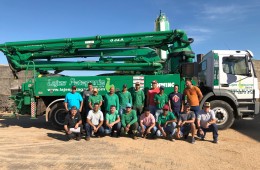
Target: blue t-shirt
x=73 y=99
x=176 y=101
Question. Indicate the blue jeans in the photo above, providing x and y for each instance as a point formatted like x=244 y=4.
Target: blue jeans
x=169 y=129
x=152 y=109
x=153 y=130
x=116 y=127
x=195 y=109
x=89 y=130
x=212 y=128
x=157 y=114
x=176 y=114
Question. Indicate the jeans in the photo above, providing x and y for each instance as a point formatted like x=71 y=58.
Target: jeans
x=195 y=109
x=139 y=110
x=73 y=135
x=152 y=109
x=121 y=110
x=153 y=130
x=176 y=114
x=212 y=128
x=133 y=128
x=169 y=129
x=157 y=114
x=89 y=130
x=116 y=127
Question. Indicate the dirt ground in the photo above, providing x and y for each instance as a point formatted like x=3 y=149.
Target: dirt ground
x=33 y=144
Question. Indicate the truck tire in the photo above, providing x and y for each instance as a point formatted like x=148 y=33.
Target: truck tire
x=58 y=114
x=223 y=112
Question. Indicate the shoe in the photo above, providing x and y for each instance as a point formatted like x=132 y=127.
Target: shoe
x=202 y=138
x=78 y=138
x=186 y=136
x=87 y=138
x=193 y=140
x=215 y=141
x=135 y=137
x=170 y=137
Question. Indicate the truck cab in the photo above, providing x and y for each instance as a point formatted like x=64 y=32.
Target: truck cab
x=228 y=81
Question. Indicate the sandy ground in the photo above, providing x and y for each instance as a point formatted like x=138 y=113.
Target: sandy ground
x=33 y=144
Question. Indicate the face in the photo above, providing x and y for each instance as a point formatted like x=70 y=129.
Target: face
x=73 y=112
x=73 y=90
x=128 y=109
x=188 y=83
x=146 y=113
x=124 y=89
x=165 y=112
x=95 y=93
x=187 y=109
x=112 y=90
x=90 y=86
x=206 y=109
x=154 y=85
x=96 y=107
x=137 y=86
x=176 y=88
x=112 y=109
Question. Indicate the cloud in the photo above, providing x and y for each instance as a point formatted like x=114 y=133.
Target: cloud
x=199 y=34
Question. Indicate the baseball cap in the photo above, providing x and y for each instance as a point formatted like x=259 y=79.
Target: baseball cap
x=187 y=105
x=165 y=107
x=161 y=87
x=128 y=105
x=125 y=85
x=73 y=87
x=95 y=90
x=206 y=104
x=154 y=82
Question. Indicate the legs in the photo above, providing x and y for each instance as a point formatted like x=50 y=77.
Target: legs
x=152 y=109
x=212 y=128
x=89 y=130
x=157 y=114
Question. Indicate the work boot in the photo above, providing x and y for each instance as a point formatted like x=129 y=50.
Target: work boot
x=87 y=138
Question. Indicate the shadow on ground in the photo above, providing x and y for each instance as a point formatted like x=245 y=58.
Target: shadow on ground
x=250 y=128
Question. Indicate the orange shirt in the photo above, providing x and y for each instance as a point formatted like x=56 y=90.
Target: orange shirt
x=151 y=94
x=193 y=95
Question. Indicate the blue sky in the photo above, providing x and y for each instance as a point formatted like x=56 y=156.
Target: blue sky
x=230 y=24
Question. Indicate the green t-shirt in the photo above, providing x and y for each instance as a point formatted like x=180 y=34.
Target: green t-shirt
x=163 y=99
x=111 y=100
x=138 y=98
x=112 y=117
x=124 y=98
x=163 y=119
x=95 y=99
x=128 y=118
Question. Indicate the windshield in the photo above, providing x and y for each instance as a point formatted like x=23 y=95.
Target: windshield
x=234 y=65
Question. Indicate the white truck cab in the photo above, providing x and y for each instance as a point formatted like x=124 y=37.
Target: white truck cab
x=228 y=81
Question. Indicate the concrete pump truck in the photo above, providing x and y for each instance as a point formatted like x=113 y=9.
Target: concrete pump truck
x=226 y=77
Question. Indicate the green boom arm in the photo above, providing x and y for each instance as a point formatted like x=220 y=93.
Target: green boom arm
x=137 y=50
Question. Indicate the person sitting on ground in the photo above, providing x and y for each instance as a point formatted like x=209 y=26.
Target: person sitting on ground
x=94 y=123
x=147 y=123
x=186 y=124
x=166 y=124
x=72 y=123
x=129 y=121
x=207 y=123
x=113 y=124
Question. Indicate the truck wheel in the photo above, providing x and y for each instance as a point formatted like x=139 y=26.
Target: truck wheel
x=58 y=114
x=223 y=112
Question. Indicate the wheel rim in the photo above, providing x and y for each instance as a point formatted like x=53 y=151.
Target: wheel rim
x=221 y=115
x=59 y=116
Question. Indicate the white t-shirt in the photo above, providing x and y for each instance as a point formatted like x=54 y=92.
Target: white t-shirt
x=95 y=117
x=205 y=117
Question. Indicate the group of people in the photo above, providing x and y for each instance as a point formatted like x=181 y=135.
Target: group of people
x=124 y=113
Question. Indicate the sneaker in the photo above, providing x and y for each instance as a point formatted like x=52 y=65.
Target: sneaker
x=193 y=140
x=215 y=141
x=87 y=138
x=171 y=138
x=78 y=138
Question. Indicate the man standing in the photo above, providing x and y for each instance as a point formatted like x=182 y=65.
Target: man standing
x=86 y=94
x=73 y=98
x=95 y=98
x=124 y=98
x=186 y=124
x=194 y=96
x=175 y=101
x=129 y=121
x=111 y=99
x=94 y=122
x=147 y=123
x=113 y=124
x=160 y=100
x=166 y=124
x=150 y=97
x=207 y=122
x=73 y=124
x=138 y=99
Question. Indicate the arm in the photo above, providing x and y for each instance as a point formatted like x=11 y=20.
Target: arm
x=134 y=119
x=200 y=96
x=147 y=98
x=123 y=121
x=143 y=97
x=81 y=102
x=90 y=123
x=130 y=98
x=66 y=129
x=117 y=102
x=66 y=106
x=100 y=124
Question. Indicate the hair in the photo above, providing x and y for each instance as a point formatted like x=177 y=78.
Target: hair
x=112 y=106
x=96 y=104
x=188 y=79
x=90 y=83
x=73 y=108
x=176 y=85
x=146 y=109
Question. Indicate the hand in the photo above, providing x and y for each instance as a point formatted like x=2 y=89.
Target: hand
x=164 y=134
x=95 y=129
x=76 y=126
x=80 y=110
x=128 y=126
x=183 y=123
x=148 y=130
x=69 y=132
x=143 y=129
x=126 y=129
